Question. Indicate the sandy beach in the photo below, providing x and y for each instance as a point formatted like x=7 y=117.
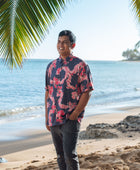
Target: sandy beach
x=36 y=150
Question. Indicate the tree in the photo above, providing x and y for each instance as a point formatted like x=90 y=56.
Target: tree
x=24 y=24
x=137 y=45
x=131 y=55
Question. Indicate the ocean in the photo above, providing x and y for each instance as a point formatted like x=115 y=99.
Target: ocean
x=22 y=91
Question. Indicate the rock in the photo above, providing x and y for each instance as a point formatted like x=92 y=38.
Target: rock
x=97 y=133
x=105 y=130
x=100 y=126
x=93 y=133
x=130 y=123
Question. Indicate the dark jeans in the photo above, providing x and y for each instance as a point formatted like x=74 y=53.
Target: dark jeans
x=65 y=140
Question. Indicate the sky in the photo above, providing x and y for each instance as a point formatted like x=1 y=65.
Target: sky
x=103 y=29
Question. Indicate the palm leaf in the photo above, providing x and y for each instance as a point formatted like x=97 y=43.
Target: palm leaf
x=136 y=8
x=23 y=25
x=137 y=45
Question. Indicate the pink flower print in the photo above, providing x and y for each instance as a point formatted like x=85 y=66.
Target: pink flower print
x=59 y=115
x=52 y=111
x=71 y=106
x=48 y=104
x=50 y=120
x=60 y=87
x=56 y=81
x=58 y=71
x=50 y=90
x=69 y=80
x=53 y=107
x=74 y=95
x=54 y=65
x=82 y=88
x=71 y=59
x=59 y=91
x=65 y=62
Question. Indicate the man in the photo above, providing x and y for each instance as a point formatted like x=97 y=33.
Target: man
x=68 y=87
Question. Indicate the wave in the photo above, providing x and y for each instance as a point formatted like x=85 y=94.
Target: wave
x=102 y=94
x=97 y=98
x=137 y=89
x=4 y=113
x=115 y=94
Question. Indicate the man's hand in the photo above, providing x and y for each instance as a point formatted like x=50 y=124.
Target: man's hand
x=81 y=105
x=48 y=127
x=73 y=116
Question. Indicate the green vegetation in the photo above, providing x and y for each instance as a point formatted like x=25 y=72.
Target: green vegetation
x=24 y=24
x=132 y=54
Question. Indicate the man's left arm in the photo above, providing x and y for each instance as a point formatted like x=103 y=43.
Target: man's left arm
x=81 y=105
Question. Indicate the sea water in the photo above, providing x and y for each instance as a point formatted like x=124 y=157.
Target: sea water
x=22 y=91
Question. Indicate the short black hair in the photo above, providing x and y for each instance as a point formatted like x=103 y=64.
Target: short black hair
x=68 y=33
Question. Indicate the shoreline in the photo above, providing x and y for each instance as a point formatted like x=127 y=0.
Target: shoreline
x=19 y=128
x=43 y=137
x=37 y=148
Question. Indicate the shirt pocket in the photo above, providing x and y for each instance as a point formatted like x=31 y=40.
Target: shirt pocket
x=72 y=81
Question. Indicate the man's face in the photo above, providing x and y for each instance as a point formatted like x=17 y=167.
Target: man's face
x=64 y=46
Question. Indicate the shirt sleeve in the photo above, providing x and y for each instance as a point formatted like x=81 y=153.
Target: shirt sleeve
x=85 y=79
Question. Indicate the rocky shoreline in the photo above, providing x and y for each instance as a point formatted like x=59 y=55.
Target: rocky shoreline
x=105 y=130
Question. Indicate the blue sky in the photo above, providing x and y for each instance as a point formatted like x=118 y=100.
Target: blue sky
x=104 y=29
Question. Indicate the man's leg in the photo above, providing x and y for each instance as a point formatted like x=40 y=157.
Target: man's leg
x=58 y=143
x=70 y=131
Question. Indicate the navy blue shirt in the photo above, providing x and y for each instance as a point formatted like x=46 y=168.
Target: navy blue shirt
x=66 y=80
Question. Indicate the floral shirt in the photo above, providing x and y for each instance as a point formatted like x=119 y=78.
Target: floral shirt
x=66 y=80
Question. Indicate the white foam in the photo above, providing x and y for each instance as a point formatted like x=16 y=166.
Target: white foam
x=4 y=113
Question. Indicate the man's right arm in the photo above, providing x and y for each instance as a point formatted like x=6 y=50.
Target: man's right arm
x=46 y=110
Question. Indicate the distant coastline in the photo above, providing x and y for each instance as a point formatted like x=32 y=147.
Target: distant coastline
x=131 y=60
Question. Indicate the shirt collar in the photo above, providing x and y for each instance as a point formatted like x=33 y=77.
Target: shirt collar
x=66 y=60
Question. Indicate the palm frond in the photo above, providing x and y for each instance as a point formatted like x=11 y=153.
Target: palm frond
x=23 y=25
x=135 y=4
x=137 y=45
